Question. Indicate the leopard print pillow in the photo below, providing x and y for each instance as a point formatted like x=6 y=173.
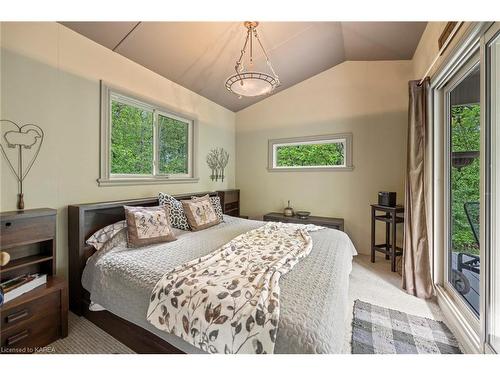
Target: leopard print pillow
x=217 y=207
x=177 y=216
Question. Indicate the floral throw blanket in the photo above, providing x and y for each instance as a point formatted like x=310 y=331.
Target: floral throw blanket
x=228 y=301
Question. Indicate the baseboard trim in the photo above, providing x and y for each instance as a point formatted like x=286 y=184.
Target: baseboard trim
x=459 y=325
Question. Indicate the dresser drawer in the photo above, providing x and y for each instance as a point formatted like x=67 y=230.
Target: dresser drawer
x=32 y=324
x=25 y=230
x=31 y=334
x=42 y=307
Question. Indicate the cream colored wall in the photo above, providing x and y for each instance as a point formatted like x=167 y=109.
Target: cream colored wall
x=428 y=48
x=368 y=99
x=50 y=77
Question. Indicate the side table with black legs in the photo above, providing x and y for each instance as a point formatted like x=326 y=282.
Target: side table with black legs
x=391 y=216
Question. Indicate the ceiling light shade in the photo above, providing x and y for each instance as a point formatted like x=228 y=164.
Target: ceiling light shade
x=251 y=83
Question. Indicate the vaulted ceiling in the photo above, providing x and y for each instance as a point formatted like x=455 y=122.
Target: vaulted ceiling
x=201 y=55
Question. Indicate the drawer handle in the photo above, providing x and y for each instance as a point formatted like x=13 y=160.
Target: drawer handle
x=20 y=336
x=17 y=316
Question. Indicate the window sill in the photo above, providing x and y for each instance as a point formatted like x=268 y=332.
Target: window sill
x=144 y=181
x=319 y=169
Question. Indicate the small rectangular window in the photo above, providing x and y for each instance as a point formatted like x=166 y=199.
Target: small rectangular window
x=142 y=143
x=326 y=152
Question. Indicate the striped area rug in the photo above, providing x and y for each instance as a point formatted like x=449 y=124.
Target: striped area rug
x=379 y=330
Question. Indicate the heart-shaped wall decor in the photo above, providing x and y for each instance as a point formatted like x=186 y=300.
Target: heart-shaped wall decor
x=20 y=146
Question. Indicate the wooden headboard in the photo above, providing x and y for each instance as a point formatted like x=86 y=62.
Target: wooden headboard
x=83 y=221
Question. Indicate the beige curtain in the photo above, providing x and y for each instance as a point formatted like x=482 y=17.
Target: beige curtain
x=416 y=268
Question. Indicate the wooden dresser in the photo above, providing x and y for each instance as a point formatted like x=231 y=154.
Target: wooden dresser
x=230 y=201
x=329 y=222
x=40 y=316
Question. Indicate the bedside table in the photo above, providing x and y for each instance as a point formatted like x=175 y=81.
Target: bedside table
x=230 y=201
x=329 y=222
x=40 y=316
x=391 y=217
x=35 y=319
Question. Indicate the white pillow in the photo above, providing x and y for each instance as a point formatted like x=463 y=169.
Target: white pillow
x=99 y=238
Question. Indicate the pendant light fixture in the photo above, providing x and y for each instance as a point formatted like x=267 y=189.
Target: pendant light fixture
x=248 y=82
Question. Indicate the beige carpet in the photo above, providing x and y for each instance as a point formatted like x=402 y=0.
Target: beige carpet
x=376 y=284
x=86 y=338
x=373 y=283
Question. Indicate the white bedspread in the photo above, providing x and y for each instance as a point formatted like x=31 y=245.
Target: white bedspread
x=228 y=301
x=313 y=298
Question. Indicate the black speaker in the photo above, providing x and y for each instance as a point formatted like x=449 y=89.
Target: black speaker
x=387 y=198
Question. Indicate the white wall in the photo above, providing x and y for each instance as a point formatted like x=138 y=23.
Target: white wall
x=370 y=100
x=50 y=76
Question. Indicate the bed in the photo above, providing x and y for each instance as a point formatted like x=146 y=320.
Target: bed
x=313 y=299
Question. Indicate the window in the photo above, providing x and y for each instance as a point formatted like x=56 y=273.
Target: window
x=142 y=143
x=314 y=153
x=464 y=148
x=131 y=139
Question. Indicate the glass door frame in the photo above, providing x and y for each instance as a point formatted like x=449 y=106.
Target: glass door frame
x=491 y=238
x=465 y=68
x=467 y=53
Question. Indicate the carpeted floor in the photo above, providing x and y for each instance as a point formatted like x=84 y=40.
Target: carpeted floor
x=86 y=338
x=373 y=283
x=376 y=284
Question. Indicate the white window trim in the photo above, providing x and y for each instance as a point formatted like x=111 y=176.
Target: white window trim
x=469 y=330
x=345 y=139
x=106 y=178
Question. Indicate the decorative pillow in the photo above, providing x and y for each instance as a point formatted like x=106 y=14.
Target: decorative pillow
x=148 y=225
x=200 y=213
x=217 y=206
x=99 y=238
x=176 y=214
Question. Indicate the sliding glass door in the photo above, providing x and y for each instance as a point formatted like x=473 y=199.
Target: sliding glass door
x=492 y=121
x=463 y=137
x=466 y=113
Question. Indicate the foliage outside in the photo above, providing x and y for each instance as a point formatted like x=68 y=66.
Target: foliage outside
x=173 y=143
x=132 y=142
x=321 y=154
x=465 y=122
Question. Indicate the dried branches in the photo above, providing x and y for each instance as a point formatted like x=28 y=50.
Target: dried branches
x=217 y=160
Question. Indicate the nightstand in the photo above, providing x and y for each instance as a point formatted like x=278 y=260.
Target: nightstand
x=40 y=316
x=329 y=222
x=230 y=201
x=391 y=217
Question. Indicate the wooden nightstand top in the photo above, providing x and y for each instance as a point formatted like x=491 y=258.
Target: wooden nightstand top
x=330 y=222
x=27 y=214
x=397 y=208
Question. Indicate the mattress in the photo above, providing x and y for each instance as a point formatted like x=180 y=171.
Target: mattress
x=313 y=299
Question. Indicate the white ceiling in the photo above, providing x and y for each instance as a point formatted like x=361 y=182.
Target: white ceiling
x=201 y=55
